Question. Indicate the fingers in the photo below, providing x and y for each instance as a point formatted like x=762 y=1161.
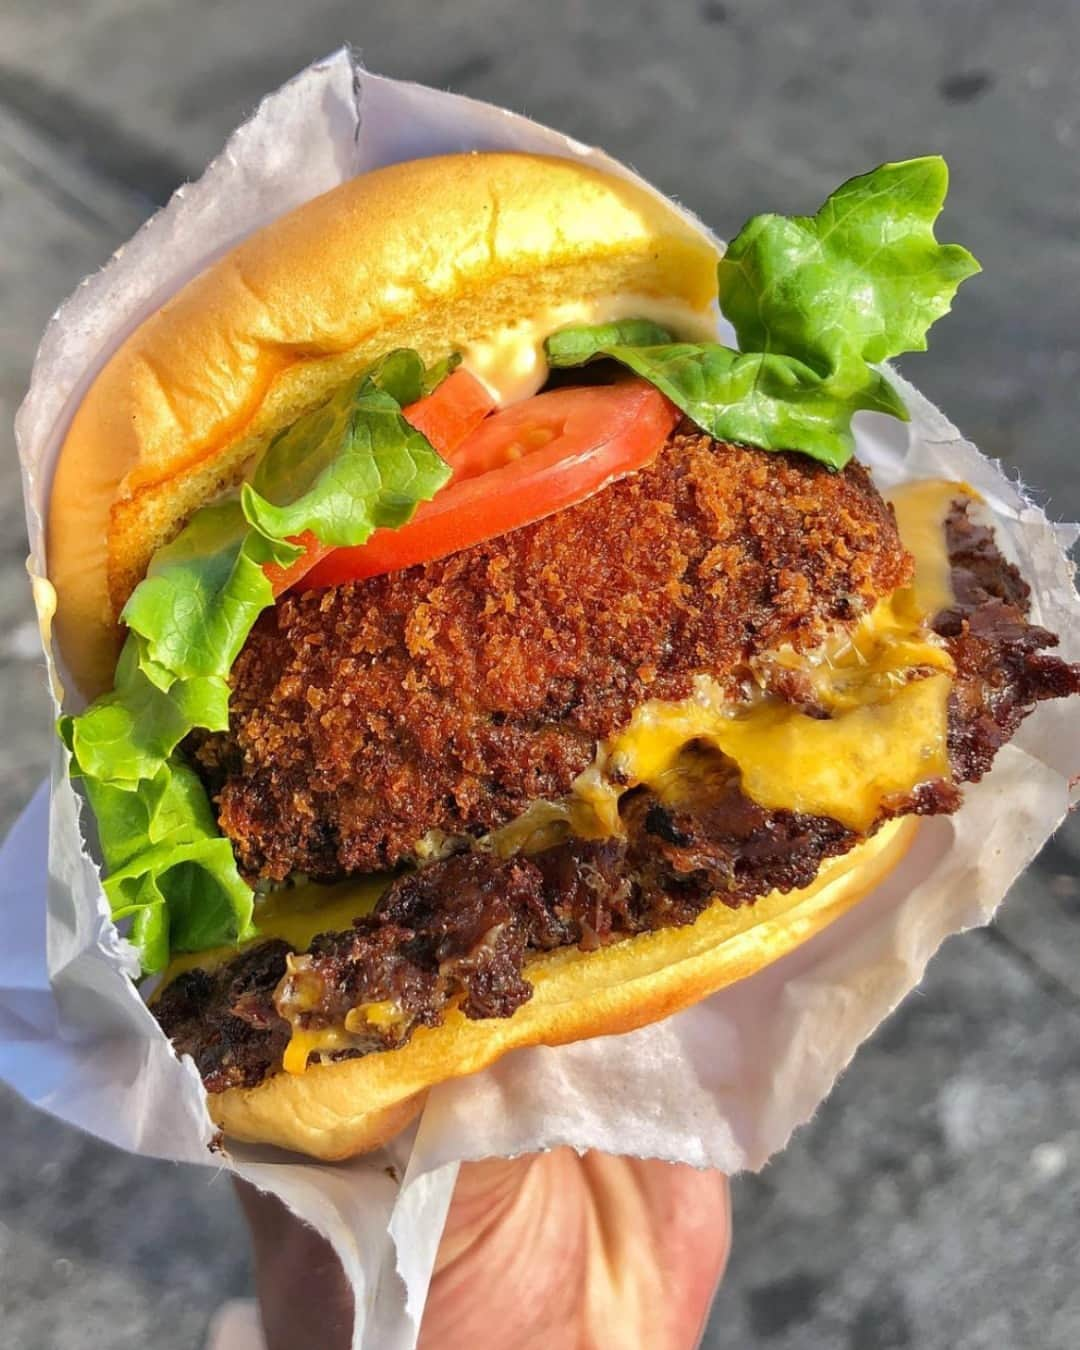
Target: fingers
x=690 y=1211
x=664 y=1231
x=558 y=1250
x=483 y=1193
x=304 y=1298
x=539 y=1252
x=509 y=1263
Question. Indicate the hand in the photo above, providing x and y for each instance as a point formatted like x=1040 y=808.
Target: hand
x=550 y=1251
x=561 y=1252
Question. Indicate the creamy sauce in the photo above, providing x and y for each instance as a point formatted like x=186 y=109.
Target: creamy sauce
x=510 y=361
x=44 y=594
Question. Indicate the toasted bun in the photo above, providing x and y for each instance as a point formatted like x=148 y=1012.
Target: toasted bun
x=432 y=254
x=336 y=1110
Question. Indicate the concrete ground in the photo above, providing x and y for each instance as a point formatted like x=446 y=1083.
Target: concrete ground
x=933 y=1202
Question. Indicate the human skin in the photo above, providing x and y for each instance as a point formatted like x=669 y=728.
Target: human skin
x=551 y=1250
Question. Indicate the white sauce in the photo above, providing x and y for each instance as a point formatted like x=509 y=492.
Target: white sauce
x=510 y=361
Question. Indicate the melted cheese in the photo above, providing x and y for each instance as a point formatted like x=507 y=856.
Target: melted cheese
x=383 y=1013
x=884 y=687
x=296 y=914
x=844 y=766
x=510 y=361
x=320 y=1041
x=307 y=1041
x=921 y=508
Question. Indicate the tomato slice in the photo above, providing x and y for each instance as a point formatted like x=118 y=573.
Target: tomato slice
x=446 y=417
x=525 y=462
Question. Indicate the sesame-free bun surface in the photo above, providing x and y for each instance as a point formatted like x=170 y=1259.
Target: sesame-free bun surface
x=430 y=254
x=335 y=1110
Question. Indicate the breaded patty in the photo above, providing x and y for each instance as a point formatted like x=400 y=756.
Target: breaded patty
x=462 y=931
x=451 y=695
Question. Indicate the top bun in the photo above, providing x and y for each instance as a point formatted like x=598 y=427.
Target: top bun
x=431 y=254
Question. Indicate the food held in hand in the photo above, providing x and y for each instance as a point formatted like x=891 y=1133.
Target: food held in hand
x=481 y=654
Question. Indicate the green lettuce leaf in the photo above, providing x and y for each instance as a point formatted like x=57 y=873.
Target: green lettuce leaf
x=126 y=735
x=403 y=375
x=169 y=869
x=860 y=281
x=202 y=593
x=576 y=346
x=770 y=401
x=814 y=301
x=341 y=471
x=352 y=467
x=432 y=377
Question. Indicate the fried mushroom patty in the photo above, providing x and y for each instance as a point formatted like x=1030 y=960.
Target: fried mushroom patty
x=463 y=929
x=451 y=695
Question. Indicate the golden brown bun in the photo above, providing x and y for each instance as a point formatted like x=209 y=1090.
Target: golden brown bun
x=336 y=1110
x=430 y=254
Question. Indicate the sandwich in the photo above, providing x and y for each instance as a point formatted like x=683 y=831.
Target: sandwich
x=466 y=648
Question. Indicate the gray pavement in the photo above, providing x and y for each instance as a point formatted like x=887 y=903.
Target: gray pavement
x=933 y=1201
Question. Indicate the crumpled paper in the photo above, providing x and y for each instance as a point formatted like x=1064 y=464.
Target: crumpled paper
x=721 y=1085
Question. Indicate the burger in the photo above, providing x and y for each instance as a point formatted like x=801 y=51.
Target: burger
x=467 y=649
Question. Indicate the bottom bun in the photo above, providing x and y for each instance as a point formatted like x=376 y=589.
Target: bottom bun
x=336 y=1110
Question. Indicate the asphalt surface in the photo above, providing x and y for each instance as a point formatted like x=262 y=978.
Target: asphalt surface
x=933 y=1201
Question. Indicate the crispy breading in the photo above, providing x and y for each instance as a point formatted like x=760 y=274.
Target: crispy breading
x=463 y=929
x=451 y=695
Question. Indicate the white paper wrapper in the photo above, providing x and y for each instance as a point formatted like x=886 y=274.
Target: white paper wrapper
x=721 y=1085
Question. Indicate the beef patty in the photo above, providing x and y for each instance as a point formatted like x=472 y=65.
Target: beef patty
x=451 y=695
x=421 y=951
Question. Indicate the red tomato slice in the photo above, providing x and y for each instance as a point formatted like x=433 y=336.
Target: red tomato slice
x=445 y=417
x=523 y=463
x=449 y=414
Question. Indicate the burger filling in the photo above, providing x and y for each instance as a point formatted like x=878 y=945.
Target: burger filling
x=940 y=663
x=448 y=697
x=444 y=690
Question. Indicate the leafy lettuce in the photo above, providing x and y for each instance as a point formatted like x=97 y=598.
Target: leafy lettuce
x=814 y=301
x=349 y=467
x=352 y=467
